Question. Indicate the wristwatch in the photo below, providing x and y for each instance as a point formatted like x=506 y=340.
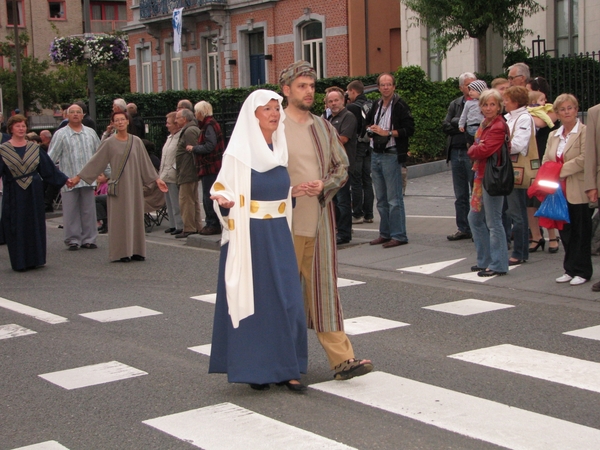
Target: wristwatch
x=390 y=133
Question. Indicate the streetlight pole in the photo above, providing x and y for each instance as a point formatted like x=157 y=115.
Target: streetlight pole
x=87 y=29
x=15 y=19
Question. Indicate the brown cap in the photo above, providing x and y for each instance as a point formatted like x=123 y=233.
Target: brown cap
x=295 y=70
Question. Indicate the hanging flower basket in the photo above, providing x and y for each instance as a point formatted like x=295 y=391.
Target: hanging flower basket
x=103 y=50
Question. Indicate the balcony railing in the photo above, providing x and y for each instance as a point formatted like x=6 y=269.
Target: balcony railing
x=156 y=8
x=107 y=26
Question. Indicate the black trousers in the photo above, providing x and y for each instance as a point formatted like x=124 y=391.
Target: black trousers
x=577 y=241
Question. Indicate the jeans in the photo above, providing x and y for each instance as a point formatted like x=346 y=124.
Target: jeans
x=488 y=234
x=387 y=179
x=343 y=213
x=361 y=183
x=462 y=180
x=517 y=213
x=211 y=219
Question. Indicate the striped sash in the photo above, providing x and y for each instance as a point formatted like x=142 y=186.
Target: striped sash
x=22 y=169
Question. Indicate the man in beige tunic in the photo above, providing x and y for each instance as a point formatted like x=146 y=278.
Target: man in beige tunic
x=318 y=162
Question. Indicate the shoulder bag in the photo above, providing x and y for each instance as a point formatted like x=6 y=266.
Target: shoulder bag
x=526 y=167
x=498 y=178
x=114 y=184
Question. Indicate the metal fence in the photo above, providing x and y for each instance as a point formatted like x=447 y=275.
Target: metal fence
x=577 y=74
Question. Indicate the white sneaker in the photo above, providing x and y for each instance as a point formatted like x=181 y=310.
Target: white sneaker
x=357 y=220
x=564 y=278
x=577 y=281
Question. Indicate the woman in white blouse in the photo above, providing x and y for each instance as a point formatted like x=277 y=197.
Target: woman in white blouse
x=567 y=145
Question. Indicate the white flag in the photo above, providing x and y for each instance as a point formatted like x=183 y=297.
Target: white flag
x=177 y=20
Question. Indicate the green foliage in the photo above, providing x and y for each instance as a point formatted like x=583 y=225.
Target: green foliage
x=68 y=83
x=514 y=56
x=111 y=80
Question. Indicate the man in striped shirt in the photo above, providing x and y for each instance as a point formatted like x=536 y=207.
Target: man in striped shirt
x=72 y=147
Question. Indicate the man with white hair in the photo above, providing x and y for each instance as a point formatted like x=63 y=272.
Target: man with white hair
x=456 y=151
x=518 y=74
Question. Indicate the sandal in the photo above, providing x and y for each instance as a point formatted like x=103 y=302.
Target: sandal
x=89 y=246
x=352 y=368
x=553 y=249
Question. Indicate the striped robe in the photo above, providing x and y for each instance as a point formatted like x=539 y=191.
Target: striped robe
x=333 y=166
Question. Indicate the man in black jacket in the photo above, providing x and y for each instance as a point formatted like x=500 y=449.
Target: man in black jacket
x=390 y=125
x=456 y=150
x=360 y=169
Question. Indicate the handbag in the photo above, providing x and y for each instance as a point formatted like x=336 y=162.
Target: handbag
x=498 y=178
x=554 y=207
x=113 y=185
x=526 y=166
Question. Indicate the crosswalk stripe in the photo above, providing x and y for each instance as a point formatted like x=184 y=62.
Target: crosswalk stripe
x=468 y=307
x=428 y=269
x=92 y=375
x=227 y=426
x=114 y=315
x=370 y=324
x=48 y=445
x=588 y=333
x=32 y=312
x=534 y=363
x=465 y=414
x=13 y=330
x=344 y=282
x=208 y=298
x=202 y=349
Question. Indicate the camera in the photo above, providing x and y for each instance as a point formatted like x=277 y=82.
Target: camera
x=370 y=133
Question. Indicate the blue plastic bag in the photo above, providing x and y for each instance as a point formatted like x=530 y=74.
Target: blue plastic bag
x=554 y=207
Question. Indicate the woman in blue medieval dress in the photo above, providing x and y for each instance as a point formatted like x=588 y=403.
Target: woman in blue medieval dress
x=259 y=333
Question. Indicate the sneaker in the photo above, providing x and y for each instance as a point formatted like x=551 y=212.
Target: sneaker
x=368 y=220
x=577 y=280
x=564 y=278
x=459 y=235
x=357 y=220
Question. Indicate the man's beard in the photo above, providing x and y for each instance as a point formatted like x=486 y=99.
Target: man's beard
x=301 y=105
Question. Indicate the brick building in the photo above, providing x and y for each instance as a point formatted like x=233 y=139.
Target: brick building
x=237 y=43
x=40 y=18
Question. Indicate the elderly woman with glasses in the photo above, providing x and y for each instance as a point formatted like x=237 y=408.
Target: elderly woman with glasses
x=567 y=146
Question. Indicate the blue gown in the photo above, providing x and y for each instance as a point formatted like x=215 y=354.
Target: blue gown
x=23 y=217
x=269 y=346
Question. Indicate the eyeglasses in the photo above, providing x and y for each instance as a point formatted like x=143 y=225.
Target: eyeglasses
x=119 y=120
x=386 y=85
x=516 y=76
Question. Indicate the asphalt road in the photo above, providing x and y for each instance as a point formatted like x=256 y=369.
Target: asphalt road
x=505 y=378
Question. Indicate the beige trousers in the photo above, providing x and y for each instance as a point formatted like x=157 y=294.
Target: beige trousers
x=336 y=344
x=189 y=205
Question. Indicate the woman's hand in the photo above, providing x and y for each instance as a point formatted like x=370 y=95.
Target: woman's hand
x=72 y=182
x=299 y=190
x=162 y=185
x=222 y=201
x=189 y=148
x=314 y=188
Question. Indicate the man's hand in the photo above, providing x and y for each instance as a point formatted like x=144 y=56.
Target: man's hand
x=299 y=190
x=314 y=188
x=162 y=185
x=592 y=195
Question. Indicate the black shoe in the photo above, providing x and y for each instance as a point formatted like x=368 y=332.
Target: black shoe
x=170 y=230
x=103 y=229
x=260 y=387
x=138 y=258
x=125 y=259
x=341 y=241
x=174 y=232
x=209 y=231
x=477 y=269
x=459 y=235
x=490 y=273
x=184 y=234
x=73 y=247
x=294 y=387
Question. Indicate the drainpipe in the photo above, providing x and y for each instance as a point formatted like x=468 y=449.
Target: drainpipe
x=367 y=35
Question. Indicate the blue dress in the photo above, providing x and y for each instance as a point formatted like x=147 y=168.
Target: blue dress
x=269 y=346
x=23 y=223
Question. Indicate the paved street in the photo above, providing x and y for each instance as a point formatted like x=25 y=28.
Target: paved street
x=99 y=355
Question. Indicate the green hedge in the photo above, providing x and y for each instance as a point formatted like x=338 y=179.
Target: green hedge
x=428 y=102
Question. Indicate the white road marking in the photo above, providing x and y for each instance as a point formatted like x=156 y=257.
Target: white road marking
x=208 y=298
x=113 y=315
x=428 y=269
x=344 y=282
x=227 y=426
x=468 y=307
x=537 y=364
x=32 y=312
x=92 y=375
x=48 y=445
x=13 y=330
x=202 y=349
x=588 y=333
x=465 y=414
x=369 y=324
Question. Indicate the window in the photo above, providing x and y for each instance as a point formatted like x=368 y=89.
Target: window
x=434 y=69
x=212 y=64
x=144 y=61
x=312 y=46
x=176 y=78
x=9 y=12
x=56 y=10
x=567 y=29
x=108 y=11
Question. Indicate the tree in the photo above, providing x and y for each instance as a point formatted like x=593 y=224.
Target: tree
x=34 y=76
x=452 y=21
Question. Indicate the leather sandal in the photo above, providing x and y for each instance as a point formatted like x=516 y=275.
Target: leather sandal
x=352 y=368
